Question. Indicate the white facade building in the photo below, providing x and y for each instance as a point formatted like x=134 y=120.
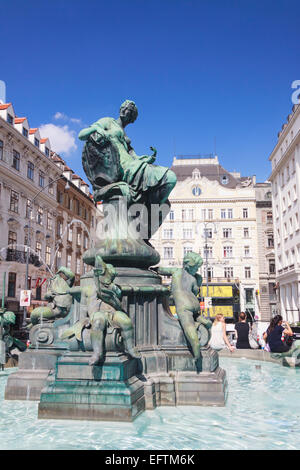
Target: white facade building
x=25 y=169
x=209 y=197
x=285 y=178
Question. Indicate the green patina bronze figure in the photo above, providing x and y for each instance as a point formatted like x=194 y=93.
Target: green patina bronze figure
x=100 y=302
x=108 y=158
x=184 y=288
x=58 y=305
x=8 y=320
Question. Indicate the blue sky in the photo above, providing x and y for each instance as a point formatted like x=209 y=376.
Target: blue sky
x=199 y=71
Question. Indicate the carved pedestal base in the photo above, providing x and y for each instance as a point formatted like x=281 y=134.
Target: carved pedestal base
x=110 y=392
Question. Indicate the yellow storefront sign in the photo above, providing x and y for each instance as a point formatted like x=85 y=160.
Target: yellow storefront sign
x=216 y=291
x=226 y=310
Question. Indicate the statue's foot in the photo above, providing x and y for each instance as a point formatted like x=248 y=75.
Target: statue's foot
x=95 y=359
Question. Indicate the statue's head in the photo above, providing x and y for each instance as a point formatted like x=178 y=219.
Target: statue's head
x=9 y=317
x=67 y=275
x=128 y=112
x=192 y=262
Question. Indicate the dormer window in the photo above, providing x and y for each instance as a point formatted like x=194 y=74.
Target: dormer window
x=25 y=132
x=10 y=119
x=47 y=152
x=36 y=142
x=224 y=179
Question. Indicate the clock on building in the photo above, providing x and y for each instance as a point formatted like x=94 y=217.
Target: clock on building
x=196 y=190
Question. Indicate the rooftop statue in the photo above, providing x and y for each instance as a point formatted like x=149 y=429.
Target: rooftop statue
x=184 y=288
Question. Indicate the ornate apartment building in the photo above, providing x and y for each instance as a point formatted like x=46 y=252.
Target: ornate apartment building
x=285 y=179
x=213 y=212
x=35 y=194
x=76 y=219
x=267 y=297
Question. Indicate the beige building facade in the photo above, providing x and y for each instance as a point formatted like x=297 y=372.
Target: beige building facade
x=210 y=205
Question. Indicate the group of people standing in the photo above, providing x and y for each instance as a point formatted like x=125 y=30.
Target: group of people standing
x=278 y=337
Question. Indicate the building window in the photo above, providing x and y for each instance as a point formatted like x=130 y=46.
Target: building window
x=59 y=228
x=30 y=170
x=272 y=269
x=209 y=273
x=36 y=142
x=246 y=232
x=78 y=265
x=230 y=213
x=60 y=197
x=69 y=260
x=85 y=241
x=28 y=209
x=49 y=221
x=249 y=296
x=78 y=238
x=228 y=272
x=14 y=202
x=38 y=249
x=10 y=119
x=171 y=215
x=48 y=255
x=227 y=251
x=245 y=213
x=58 y=259
x=1 y=149
x=246 y=251
x=70 y=234
x=269 y=217
x=208 y=233
x=187 y=214
x=12 y=239
x=247 y=272
x=208 y=252
x=40 y=215
x=224 y=179
x=25 y=132
x=41 y=179
x=270 y=240
x=210 y=214
x=168 y=252
x=186 y=250
x=47 y=152
x=187 y=234
x=168 y=234
x=223 y=213
x=16 y=160
x=12 y=278
x=227 y=233
x=51 y=187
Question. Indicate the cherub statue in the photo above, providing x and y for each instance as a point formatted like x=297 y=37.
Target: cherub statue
x=8 y=320
x=58 y=305
x=100 y=301
x=184 y=288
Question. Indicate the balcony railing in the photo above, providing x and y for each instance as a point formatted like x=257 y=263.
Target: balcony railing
x=20 y=257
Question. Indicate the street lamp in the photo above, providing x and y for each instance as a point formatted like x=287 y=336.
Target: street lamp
x=205 y=234
x=29 y=235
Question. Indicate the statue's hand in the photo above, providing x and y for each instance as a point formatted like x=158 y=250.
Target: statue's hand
x=154 y=153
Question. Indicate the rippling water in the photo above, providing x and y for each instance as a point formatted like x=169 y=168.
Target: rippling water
x=262 y=412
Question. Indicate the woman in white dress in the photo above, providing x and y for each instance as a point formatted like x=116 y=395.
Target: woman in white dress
x=219 y=338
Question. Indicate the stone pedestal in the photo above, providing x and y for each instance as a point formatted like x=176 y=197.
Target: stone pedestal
x=76 y=390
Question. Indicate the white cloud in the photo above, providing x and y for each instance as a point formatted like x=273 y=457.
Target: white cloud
x=64 y=117
x=59 y=115
x=62 y=138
